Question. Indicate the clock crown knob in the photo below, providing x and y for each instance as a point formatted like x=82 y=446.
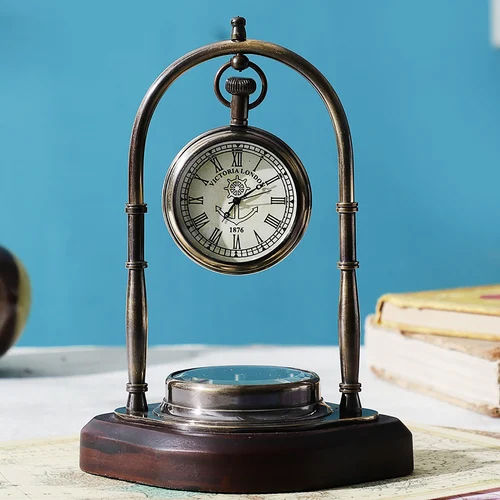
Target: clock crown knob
x=240 y=88
x=236 y=85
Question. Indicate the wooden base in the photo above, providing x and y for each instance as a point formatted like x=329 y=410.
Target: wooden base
x=249 y=462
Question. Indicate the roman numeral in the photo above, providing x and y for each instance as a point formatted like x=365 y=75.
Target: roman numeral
x=272 y=221
x=200 y=220
x=197 y=200
x=258 y=163
x=237 y=158
x=278 y=200
x=270 y=181
x=216 y=163
x=258 y=238
x=236 y=242
x=215 y=236
x=196 y=176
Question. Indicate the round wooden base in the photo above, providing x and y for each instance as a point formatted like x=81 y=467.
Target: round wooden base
x=251 y=462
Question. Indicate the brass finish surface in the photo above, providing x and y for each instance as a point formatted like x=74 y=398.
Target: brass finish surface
x=136 y=315
x=249 y=64
x=331 y=417
x=280 y=394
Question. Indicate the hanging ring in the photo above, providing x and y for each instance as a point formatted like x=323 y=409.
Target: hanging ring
x=257 y=69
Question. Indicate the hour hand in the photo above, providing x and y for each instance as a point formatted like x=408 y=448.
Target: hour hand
x=235 y=219
x=225 y=215
x=221 y=212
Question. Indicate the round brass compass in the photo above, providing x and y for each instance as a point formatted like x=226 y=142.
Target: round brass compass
x=237 y=200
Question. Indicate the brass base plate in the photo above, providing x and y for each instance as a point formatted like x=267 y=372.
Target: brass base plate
x=333 y=417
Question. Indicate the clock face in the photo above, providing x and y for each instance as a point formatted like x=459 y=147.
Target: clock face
x=234 y=202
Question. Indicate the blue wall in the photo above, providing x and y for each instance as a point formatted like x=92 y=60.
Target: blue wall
x=420 y=83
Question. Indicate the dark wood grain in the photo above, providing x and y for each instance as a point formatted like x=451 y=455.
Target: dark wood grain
x=252 y=462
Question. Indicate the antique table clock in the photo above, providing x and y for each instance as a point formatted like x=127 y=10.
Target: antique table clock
x=237 y=200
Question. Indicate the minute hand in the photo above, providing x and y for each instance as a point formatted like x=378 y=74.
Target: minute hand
x=254 y=195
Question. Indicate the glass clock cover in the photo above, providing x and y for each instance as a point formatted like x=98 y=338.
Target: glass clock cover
x=237 y=201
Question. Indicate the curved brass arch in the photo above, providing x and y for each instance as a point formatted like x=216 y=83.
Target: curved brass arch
x=136 y=315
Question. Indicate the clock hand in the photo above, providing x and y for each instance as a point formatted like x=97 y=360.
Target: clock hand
x=237 y=200
x=259 y=186
x=258 y=194
x=225 y=215
x=263 y=204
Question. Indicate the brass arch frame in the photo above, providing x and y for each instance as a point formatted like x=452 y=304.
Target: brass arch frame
x=136 y=307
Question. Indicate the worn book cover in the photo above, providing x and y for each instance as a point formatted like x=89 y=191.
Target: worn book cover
x=472 y=312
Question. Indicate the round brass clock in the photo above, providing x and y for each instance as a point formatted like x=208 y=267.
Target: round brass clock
x=237 y=199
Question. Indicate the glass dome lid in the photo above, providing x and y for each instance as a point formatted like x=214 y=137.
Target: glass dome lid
x=244 y=375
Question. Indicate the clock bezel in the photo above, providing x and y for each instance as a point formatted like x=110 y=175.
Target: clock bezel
x=175 y=222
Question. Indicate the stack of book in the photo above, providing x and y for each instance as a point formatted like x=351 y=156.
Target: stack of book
x=444 y=343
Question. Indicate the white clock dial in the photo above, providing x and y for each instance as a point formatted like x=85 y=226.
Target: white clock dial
x=235 y=202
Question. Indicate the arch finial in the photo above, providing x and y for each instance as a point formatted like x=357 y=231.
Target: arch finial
x=238 y=32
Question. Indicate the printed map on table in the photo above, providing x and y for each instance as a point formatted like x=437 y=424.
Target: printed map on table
x=447 y=462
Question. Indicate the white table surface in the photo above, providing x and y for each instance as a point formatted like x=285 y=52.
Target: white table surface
x=52 y=392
